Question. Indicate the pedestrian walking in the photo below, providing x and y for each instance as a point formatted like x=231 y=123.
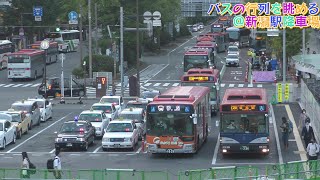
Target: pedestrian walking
x=307 y=133
x=302 y=120
x=285 y=132
x=312 y=152
x=57 y=165
x=25 y=165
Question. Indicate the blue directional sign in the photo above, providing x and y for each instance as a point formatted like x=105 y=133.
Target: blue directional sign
x=73 y=16
x=37 y=11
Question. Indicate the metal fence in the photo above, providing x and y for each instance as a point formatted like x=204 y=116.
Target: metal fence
x=292 y=170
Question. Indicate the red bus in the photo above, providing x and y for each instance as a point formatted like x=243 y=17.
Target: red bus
x=244 y=121
x=198 y=58
x=221 y=39
x=204 y=37
x=52 y=52
x=177 y=120
x=208 y=78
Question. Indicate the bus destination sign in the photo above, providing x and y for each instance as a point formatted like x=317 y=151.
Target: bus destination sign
x=169 y=108
x=244 y=107
x=217 y=25
x=199 y=78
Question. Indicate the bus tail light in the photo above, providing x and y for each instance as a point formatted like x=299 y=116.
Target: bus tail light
x=27 y=69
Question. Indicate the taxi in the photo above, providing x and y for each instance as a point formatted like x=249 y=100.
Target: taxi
x=116 y=100
x=138 y=103
x=137 y=115
x=98 y=119
x=19 y=119
x=120 y=133
x=75 y=134
x=45 y=107
x=150 y=94
x=108 y=108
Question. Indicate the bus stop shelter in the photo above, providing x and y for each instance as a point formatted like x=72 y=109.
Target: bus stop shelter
x=309 y=63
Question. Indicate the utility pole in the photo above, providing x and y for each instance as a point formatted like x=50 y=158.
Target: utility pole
x=96 y=26
x=90 y=39
x=138 y=50
x=121 y=50
x=81 y=38
x=304 y=42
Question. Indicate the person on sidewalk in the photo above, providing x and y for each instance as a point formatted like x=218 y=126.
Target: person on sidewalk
x=25 y=165
x=57 y=166
x=302 y=120
x=312 y=152
x=307 y=133
x=285 y=132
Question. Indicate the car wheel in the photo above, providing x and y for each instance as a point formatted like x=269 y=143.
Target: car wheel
x=4 y=144
x=93 y=140
x=39 y=120
x=30 y=125
x=81 y=93
x=19 y=134
x=14 y=138
x=86 y=147
x=104 y=149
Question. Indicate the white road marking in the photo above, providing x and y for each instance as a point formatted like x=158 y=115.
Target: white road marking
x=216 y=149
x=35 y=85
x=144 y=69
x=259 y=85
x=166 y=84
x=231 y=85
x=26 y=85
x=8 y=85
x=147 y=84
x=291 y=140
x=8 y=157
x=156 y=84
x=17 y=85
x=138 y=151
x=175 y=84
x=276 y=134
x=250 y=85
x=74 y=154
x=179 y=46
x=113 y=154
x=245 y=163
x=52 y=151
x=156 y=73
x=240 y=85
x=96 y=150
x=222 y=85
x=2 y=85
x=37 y=133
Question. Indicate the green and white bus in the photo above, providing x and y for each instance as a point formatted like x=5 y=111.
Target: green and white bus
x=68 y=40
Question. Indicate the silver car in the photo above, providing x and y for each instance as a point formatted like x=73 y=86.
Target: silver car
x=232 y=59
x=31 y=109
x=233 y=50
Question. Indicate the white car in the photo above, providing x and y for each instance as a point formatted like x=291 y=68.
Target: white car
x=7 y=133
x=98 y=119
x=232 y=59
x=107 y=108
x=233 y=50
x=137 y=115
x=149 y=94
x=116 y=100
x=45 y=107
x=120 y=134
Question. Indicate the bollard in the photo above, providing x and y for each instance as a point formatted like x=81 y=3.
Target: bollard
x=143 y=144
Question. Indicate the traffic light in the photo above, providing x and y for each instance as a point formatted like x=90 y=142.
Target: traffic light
x=57 y=29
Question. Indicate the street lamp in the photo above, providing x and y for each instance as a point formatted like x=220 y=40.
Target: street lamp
x=45 y=45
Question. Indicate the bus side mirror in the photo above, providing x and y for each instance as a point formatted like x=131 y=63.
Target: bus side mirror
x=194 y=118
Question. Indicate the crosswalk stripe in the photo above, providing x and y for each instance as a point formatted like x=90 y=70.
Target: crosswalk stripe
x=175 y=84
x=26 y=85
x=147 y=84
x=240 y=85
x=222 y=85
x=259 y=85
x=166 y=84
x=231 y=85
x=35 y=85
x=156 y=84
x=8 y=85
x=250 y=85
x=2 y=85
x=17 y=85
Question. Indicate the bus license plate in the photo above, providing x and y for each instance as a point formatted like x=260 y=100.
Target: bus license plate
x=170 y=150
x=69 y=145
x=244 y=148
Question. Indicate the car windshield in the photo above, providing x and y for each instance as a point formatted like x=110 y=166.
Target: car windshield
x=138 y=117
x=5 y=117
x=72 y=127
x=233 y=49
x=119 y=127
x=21 y=108
x=232 y=57
x=40 y=104
x=1 y=126
x=15 y=117
x=91 y=117
x=110 y=100
x=106 y=109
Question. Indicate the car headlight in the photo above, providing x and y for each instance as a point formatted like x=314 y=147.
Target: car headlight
x=58 y=139
x=98 y=129
x=127 y=139
x=81 y=139
x=106 y=139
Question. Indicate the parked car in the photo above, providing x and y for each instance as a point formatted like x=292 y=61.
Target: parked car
x=120 y=134
x=30 y=108
x=7 y=133
x=45 y=108
x=54 y=87
x=18 y=119
x=98 y=119
x=232 y=59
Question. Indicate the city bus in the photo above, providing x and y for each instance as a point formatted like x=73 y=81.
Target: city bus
x=177 y=120
x=197 y=58
x=26 y=64
x=244 y=121
x=205 y=77
x=211 y=46
x=221 y=39
x=6 y=47
x=239 y=36
x=52 y=51
x=204 y=37
x=259 y=44
x=68 y=40
x=226 y=21
x=217 y=28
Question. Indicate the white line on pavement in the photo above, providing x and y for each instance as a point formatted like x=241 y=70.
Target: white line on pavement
x=156 y=84
x=240 y=85
x=250 y=85
x=37 y=133
x=156 y=73
x=259 y=85
x=52 y=151
x=8 y=85
x=222 y=85
x=35 y=85
x=26 y=85
x=231 y=85
x=138 y=151
x=166 y=84
x=96 y=150
x=276 y=134
x=216 y=149
x=175 y=84
x=2 y=85
x=147 y=84
x=17 y=85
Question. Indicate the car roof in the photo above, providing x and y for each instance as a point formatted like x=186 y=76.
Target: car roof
x=10 y=112
x=111 y=96
x=3 y=120
x=92 y=112
x=6 y=114
x=120 y=121
x=36 y=99
x=102 y=104
x=233 y=47
x=24 y=102
x=131 y=110
x=73 y=121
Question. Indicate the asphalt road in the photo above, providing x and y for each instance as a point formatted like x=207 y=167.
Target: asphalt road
x=39 y=142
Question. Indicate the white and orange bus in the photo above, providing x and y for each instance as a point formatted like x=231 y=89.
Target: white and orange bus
x=221 y=39
x=177 y=120
x=6 y=47
x=197 y=58
x=207 y=78
x=52 y=51
x=244 y=121
x=26 y=64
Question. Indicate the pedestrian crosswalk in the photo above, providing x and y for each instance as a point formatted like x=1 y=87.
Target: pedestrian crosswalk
x=13 y=85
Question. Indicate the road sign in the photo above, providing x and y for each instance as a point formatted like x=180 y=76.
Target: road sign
x=73 y=15
x=44 y=44
x=156 y=15
x=156 y=23
x=73 y=21
x=147 y=15
x=37 y=18
x=37 y=11
x=273 y=32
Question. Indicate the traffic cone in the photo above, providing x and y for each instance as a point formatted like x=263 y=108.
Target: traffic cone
x=143 y=144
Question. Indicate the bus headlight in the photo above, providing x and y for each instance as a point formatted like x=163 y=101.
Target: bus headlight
x=224 y=150
x=265 y=150
x=188 y=146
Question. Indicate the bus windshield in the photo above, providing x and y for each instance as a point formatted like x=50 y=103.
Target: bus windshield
x=21 y=59
x=213 y=90
x=216 y=29
x=234 y=35
x=169 y=124
x=195 y=61
x=244 y=123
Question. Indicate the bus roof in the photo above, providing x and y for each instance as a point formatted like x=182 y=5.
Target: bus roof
x=203 y=71
x=197 y=52
x=5 y=42
x=181 y=95
x=27 y=52
x=205 y=44
x=245 y=96
x=205 y=38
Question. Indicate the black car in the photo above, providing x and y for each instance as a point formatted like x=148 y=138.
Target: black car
x=54 y=87
x=75 y=134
